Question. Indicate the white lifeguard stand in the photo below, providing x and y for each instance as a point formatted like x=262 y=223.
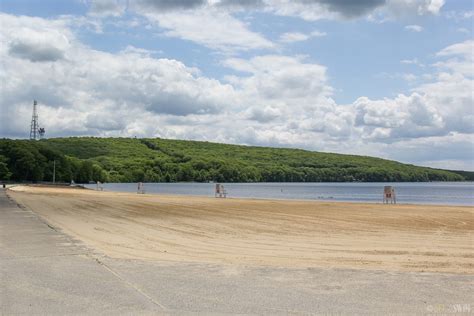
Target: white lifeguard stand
x=389 y=195
x=141 y=188
x=100 y=186
x=220 y=191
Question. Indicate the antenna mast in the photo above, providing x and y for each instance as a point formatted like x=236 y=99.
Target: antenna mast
x=36 y=132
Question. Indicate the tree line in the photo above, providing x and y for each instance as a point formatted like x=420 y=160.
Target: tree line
x=88 y=159
x=35 y=161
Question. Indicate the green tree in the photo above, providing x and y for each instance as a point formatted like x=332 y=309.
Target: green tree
x=5 y=173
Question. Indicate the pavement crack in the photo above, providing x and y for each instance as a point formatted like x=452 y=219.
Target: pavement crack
x=135 y=287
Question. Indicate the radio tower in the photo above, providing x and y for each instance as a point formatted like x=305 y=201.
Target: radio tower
x=36 y=132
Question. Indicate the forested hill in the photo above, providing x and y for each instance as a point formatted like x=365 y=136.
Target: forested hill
x=87 y=159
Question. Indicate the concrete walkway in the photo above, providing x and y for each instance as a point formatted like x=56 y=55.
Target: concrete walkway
x=44 y=271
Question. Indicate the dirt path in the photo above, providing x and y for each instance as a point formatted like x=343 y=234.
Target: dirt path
x=261 y=232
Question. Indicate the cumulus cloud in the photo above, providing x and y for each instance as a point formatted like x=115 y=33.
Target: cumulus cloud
x=403 y=117
x=269 y=99
x=35 y=52
x=276 y=78
x=328 y=9
x=306 y=9
x=263 y=114
x=88 y=80
x=291 y=97
x=43 y=43
x=433 y=109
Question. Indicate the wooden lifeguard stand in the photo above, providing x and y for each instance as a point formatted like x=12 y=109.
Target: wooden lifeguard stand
x=141 y=188
x=220 y=191
x=389 y=195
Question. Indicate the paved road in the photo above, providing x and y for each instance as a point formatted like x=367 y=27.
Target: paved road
x=44 y=271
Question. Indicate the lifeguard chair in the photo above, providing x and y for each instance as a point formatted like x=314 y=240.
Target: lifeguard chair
x=141 y=188
x=220 y=191
x=100 y=186
x=389 y=195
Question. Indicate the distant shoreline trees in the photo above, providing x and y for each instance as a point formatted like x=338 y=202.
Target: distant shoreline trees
x=85 y=159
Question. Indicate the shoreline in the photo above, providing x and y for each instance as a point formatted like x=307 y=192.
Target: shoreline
x=283 y=233
x=278 y=184
x=84 y=187
x=289 y=200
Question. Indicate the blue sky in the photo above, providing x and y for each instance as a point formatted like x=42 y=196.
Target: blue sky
x=390 y=78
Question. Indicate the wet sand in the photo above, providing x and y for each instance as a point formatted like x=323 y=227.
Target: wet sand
x=261 y=232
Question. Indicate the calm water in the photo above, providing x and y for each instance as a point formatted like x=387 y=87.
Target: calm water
x=453 y=193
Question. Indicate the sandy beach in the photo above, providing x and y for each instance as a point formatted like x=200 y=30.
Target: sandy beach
x=260 y=232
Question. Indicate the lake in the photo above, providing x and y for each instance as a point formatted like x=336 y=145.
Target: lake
x=446 y=193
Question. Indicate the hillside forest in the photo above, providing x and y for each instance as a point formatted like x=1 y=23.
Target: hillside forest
x=86 y=159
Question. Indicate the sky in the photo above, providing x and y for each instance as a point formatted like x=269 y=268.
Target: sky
x=385 y=78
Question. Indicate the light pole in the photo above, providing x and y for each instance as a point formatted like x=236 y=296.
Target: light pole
x=54 y=172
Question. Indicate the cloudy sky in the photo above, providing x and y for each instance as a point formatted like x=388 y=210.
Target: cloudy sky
x=386 y=78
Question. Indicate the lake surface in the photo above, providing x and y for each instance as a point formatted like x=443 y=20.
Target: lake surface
x=447 y=193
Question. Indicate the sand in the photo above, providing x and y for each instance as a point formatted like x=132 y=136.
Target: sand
x=260 y=232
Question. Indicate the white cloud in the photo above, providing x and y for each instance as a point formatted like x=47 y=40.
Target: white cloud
x=403 y=117
x=413 y=61
x=437 y=108
x=86 y=80
x=310 y=10
x=211 y=28
x=270 y=100
x=419 y=7
x=337 y=9
x=464 y=49
x=414 y=28
x=327 y=9
x=291 y=37
x=281 y=79
x=461 y=59
x=140 y=51
x=42 y=43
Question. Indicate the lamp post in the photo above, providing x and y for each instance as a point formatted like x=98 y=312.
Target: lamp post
x=54 y=172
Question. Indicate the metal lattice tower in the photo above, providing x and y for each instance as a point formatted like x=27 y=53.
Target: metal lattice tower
x=36 y=132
